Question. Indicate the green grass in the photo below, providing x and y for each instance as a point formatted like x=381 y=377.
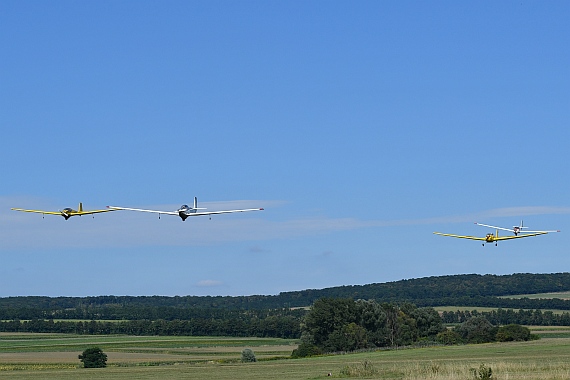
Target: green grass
x=54 y=356
x=22 y=342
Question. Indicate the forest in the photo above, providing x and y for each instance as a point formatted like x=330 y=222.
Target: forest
x=281 y=315
x=457 y=290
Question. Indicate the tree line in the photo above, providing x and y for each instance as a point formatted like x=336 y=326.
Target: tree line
x=478 y=329
x=330 y=325
x=286 y=326
x=509 y=316
x=132 y=312
x=457 y=290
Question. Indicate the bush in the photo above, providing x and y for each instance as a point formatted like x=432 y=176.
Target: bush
x=513 y=332
x=306 y=349
x=247 y=356
x=93 y=358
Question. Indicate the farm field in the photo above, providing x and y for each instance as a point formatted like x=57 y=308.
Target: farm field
x=441 y=309
x=560 y=295
x=54 y=356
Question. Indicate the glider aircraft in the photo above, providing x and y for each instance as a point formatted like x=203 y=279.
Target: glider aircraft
x=495 y=238
x=66 y=212
x=185 y=211
x=516 y=229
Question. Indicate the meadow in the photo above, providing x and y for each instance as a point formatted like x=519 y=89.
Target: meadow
x=54 y=356
x=560 y=295
x=482 y=309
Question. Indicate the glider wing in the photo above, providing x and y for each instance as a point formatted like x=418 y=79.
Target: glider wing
x=461 y=237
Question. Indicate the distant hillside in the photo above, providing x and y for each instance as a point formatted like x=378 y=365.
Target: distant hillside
x=442 y=287
x=456 y=290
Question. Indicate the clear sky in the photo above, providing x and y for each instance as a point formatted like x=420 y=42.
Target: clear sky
x=361 y=128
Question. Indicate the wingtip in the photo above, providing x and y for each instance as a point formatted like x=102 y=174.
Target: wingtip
x=261 y=209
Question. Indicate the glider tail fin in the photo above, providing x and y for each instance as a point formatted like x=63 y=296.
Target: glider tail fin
x=196 y=205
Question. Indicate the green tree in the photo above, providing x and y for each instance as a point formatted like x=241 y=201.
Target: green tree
x=93 y=358
x=371 y=316
x=392 y=323
x=326 y=316
x=448 y=337
x=349 y=338
x=477 y=330
x=428 y=322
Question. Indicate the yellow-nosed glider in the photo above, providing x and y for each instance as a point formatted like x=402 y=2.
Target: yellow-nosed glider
x=185 y=211
x=66 y=212
x=492 y=238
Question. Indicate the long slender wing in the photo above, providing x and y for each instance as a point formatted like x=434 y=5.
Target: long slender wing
x=512 y=229
x=112 y=208
x=89 y=212
x=519 y=236
x=461 y=237
x=495 y=227
x=38 y=211
x=189 y=214
x=222 y=212
x=530 y=232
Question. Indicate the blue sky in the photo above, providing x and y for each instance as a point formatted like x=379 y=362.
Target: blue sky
x=360 y=127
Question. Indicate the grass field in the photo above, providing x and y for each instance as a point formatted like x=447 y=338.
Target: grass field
x=485 y=309
x=54 y=356
x=560 y=295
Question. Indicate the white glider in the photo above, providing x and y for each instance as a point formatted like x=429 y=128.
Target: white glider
x=516 y=229
x=185 y=211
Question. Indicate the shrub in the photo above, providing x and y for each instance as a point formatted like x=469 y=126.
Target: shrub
x=247 y=356
x=306 y=349
x=93 y=358
x=513 y=332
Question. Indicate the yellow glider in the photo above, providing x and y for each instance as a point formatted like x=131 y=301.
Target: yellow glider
x=66 y=212
x=493 y=238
